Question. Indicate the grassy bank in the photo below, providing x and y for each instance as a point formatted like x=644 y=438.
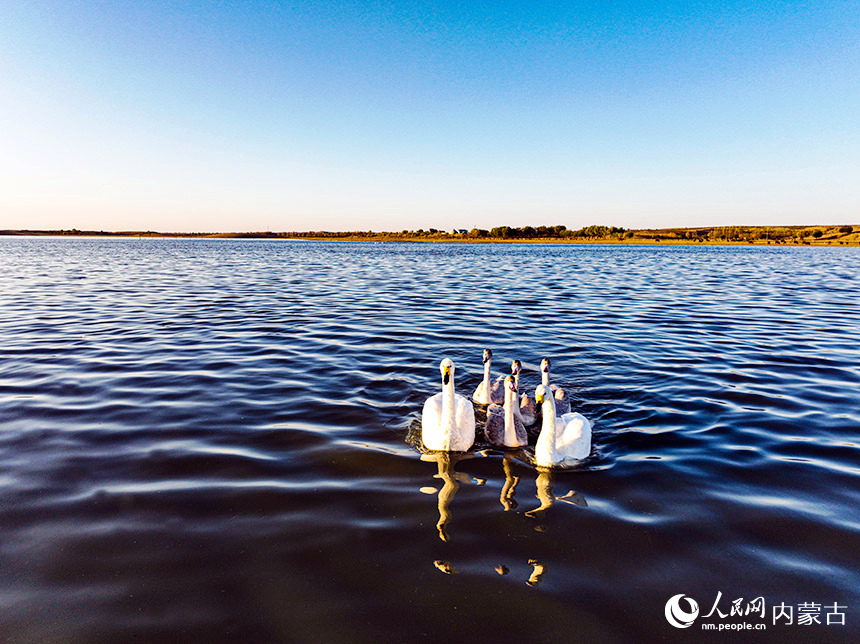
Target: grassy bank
x=840 y=235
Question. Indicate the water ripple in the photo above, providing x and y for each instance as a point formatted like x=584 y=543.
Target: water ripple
x=218 y=439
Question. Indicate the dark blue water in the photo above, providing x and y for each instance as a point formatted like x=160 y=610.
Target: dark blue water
x=214 y=440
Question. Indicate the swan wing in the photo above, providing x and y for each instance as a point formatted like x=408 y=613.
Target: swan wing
x=520 y=431
x=528 y=411
x=497 y=391
x=562 y=400
x=480 y=395
x=464 y=432
x=431 y=422
x=575 y=440
x=494 y=429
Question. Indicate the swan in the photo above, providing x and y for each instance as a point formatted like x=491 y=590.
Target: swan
x=562 y=401
x=503 y=427
x=489 y=392
x=526 y=409
x=448 y=419
x=563 y=440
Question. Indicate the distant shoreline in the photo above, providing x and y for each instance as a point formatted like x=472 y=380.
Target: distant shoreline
x=699 y=236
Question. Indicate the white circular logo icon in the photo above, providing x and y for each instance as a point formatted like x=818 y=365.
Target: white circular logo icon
x=676 y=616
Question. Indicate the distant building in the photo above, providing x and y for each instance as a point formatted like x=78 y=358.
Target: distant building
x=458 y=231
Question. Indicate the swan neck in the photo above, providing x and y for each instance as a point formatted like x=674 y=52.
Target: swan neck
x=448 y=403
x=510 y=424
x=486 y=383
x=548 y=426
x=545 y=451
x=544 y=378
x=448 y=392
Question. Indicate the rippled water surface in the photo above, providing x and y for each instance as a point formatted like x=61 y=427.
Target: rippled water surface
x=214 y=441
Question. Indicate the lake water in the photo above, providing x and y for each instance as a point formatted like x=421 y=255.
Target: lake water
x=214 y=441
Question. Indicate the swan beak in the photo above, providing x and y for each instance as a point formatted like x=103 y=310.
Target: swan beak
x=539 y=399
x=446 y=375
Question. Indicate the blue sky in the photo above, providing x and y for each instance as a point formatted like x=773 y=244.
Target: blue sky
x=388 y=115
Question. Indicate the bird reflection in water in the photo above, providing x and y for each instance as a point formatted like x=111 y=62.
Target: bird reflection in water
x=538 y=570
x=506 y=498
x=545 y=495
x=451 y=480
x=445 y=566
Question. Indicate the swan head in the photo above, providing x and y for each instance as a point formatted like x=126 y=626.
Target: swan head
x=511 y=383
x=544 y=365
x=446 y=368
x=541 y=394
x=516 y=367
x=488 y=355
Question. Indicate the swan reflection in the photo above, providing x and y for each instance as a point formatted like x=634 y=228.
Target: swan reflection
x=445 y=566
x=451 y=480
x=506 y=498
x=547 y=498
x=538 y=570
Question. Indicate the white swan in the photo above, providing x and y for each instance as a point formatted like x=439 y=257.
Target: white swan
x=489 y=391
x=563 y=440
x=503 y=427
x=526 y=409
x=448 y=419
x=562 y=401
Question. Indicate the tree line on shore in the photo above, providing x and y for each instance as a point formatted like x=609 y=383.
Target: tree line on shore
x=498 y=232
x=724 y=234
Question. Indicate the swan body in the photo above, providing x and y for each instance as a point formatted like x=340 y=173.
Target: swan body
x=526 y=409
x=448 y=419
x=489 y=391
x=503 y=427
x=497 y=391
x=562 y=400
x=563 y=439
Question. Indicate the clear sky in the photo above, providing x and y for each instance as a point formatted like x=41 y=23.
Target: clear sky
x=344 y=115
